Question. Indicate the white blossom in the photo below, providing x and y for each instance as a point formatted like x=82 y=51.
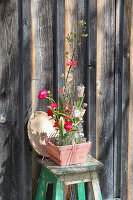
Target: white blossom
x=80 y=90
x=76 y=113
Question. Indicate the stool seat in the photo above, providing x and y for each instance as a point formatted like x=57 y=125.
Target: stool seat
x=67 y=175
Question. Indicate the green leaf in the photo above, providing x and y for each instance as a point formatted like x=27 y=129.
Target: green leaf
x=61 y=126
x=82 y=22
x=80 y=102
x=62 y=114
x=61 y=105
x=71 y=40
x=74 y=32
x=84 y=35
x=66 y=52
x=73 y=129
x=68 y=37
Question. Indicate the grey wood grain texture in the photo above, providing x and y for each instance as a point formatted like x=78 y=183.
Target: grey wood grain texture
x=91 y=74
x=10 y=143
x=82 y=56
x=82 y=51
x=26 y=98
x=125 y=96
x=91 y=79
x=58 y=48
x=42 y=77
x=76 y=11
x=59 y=45
x=130 y=143
x=42 y=63
x=105 y=93
x=14 y=162
x=118 y=96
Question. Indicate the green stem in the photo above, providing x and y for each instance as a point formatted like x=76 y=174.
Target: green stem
x=63 y=115
x=52 y=100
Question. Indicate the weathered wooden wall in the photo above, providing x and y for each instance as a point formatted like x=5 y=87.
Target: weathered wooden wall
x=15 y=99
x=130 y=138
x=32 y=43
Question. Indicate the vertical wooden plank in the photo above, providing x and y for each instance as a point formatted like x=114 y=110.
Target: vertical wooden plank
x=82 y=67
x=14 y=149
x=75 y=10
x=42 y=187
x=58 y=48
x=10 y=169
x=96 y=187
x=91 y=78
x=70 y=24
x=42 y=62
x=118 y=95
x=42 y=23
x=26 y=98
x=58 y=189
x=59 y=45
x=82 y=51
x=125 y=97
x=91 y=75
x=80 y=191
x=130 y=138
x=70 y=20
x=105 y=92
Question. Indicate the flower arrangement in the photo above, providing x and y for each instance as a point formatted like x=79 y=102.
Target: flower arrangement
x=68 y=112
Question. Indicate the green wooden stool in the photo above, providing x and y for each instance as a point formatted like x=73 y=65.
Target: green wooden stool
x=73 y=174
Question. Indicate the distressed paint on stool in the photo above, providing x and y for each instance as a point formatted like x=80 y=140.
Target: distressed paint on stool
x=61 y=176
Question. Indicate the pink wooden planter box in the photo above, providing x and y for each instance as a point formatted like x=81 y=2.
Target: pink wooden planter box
x=70 y=154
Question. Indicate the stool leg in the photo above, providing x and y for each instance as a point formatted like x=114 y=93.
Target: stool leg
x=42 y=187
x=95 y=187
x=80 y=191
x=58 y=187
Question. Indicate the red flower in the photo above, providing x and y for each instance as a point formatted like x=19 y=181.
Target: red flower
x=54 y=105
x=72 y=63
x=66 y=118
x=68 y=63
x=49 y=112
x=60 y=91
x=42 y=94
x=68 y=126
x=56 y=124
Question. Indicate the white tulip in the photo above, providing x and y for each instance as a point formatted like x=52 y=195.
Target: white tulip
x=76 y=113
x=80 y=90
